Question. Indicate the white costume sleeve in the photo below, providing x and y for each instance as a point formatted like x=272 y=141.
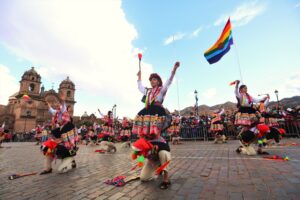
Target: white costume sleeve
x=222 y=111
x=266 y=102
x=64 y=107
x=237 y=93
x=256 y=100
x=142 y=89
x=167 y=84
x=52 y=111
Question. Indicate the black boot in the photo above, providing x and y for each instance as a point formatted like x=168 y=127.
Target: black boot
x=74 y=164
x=46 y=172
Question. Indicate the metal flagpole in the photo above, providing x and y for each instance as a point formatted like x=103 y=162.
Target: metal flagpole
x=177 y=87
x=238 y=61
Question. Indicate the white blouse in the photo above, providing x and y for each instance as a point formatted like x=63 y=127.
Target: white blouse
x=244 y=100
x=161 y=95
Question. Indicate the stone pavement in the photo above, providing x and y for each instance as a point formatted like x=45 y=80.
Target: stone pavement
x=199 y=170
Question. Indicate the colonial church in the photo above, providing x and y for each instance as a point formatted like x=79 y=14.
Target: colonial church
x=22 y=115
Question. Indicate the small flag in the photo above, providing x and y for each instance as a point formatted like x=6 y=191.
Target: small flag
x=221 y=47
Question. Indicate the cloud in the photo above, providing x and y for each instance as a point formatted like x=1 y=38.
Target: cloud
x=173 y=38
x=242 y=15
x=8 y=84
x=297 y=5
x=210 y=93
x=92 y=42
x=181 y=36
x=196 y=32
x=290 y=86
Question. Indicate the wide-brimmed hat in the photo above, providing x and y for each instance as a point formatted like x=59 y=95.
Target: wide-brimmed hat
x=155 y=75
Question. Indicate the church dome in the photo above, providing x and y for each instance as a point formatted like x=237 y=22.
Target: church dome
x=67 y=83
x=85 y=114
x=31 y=75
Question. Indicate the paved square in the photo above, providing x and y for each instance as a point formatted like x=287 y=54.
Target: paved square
x=199 y=170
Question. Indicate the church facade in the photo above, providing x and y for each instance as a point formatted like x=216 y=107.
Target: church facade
x=22 y=115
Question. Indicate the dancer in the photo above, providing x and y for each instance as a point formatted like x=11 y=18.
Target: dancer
x=2 y=134
x=217 y=126
x=247 y=114
x=149 y=123
x=108 y=123
x=275 y=132
x=107 y=134
x=63 y=144
x=44 y=134
x=174 y=130
x=247 y=117
x=91 y=137
x=107 y=143
x=125 y=133
x=250 y=136
x=38 y=134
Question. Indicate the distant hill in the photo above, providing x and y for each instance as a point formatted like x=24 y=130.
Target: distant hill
x=230 y=106
x=287 y=102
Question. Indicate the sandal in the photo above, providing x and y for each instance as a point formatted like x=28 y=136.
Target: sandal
x=238 y=150
x=164 y=185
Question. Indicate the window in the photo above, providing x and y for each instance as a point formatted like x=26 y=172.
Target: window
x=32 y=78
x=31 y=87
x=28 y=113
x=68 y=93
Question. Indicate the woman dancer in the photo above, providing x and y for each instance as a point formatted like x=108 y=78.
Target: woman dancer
x=149 y=123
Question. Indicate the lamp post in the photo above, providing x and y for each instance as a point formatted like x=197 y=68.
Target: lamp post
x=28 y=114
x=114 y=110
x=196 y=105
x=276 y=93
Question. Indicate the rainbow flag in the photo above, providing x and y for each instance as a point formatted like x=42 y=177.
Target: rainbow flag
x=221 y=47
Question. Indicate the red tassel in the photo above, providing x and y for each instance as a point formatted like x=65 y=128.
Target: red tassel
x=100 y=151
x=133 y=156
x=134 y=167
x=276 y=157
x=161 y=168
x=140 y=164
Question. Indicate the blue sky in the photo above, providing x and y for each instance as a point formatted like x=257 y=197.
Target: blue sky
x=96 y=42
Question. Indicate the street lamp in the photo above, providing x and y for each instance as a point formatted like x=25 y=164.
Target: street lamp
x=28 y=114
x=114 y=110
x=196 y=106
x=276 y=93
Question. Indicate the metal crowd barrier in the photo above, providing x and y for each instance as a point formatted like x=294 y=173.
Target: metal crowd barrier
x=292 y=129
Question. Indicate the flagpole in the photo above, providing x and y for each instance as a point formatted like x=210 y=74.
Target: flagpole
x=177 y=87
x=238 y=61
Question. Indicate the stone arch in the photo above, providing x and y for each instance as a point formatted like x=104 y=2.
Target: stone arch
x=31 y=87
x=69 y=93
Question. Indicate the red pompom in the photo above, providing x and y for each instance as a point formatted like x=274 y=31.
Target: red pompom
x=133 y=156
x=140 y=164
x=140 y=56
x=51 y=144
x=262 y=128
x=281 y=131
x=142 y=145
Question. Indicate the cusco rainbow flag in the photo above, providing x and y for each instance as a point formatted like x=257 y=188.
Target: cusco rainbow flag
x=221 y=47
